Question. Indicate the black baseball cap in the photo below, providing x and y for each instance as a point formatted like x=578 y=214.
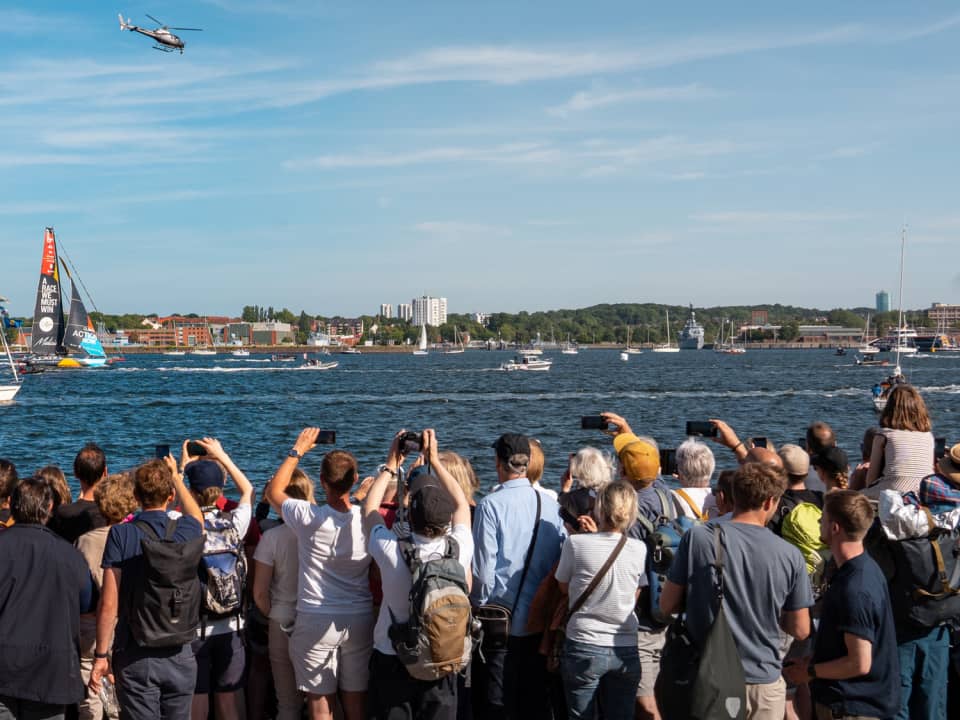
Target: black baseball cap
x=511 y=444
x=430 y=504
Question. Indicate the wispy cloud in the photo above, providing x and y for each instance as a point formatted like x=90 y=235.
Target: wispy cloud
x=592 y=99
x=746 y=217
x=455 y=228
x=14 y=21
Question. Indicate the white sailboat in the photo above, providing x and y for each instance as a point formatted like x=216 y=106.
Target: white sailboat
x=880 y=401
x=569 y=348
x=457 y=347
x=8 y=391
x=629 y=350
x=865 y=347
x=422 y=344
x=667 y=347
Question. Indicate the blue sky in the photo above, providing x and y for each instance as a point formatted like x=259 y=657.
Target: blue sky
x=333 y=156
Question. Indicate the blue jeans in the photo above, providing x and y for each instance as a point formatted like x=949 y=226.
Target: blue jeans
x=924 y=663
x=155 y=683
x=593 y=673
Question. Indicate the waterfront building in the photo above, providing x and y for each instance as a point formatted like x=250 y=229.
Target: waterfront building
x=944 y=315
x=405 y=311
x=429 y=311
x=828 y=335
x=883 y=301
x=272 y=333
x=480 y=318
x=386 y=311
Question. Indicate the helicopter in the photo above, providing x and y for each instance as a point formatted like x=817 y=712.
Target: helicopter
x=166 y=40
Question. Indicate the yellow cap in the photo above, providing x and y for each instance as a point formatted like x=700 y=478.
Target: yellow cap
x=640 y=460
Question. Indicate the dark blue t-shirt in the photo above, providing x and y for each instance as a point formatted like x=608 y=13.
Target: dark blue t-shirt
x=857 y=602
x=122 y=551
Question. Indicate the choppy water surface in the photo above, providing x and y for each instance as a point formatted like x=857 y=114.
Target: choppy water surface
x=257 y=407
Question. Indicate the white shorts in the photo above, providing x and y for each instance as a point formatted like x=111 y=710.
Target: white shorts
x=331 y=652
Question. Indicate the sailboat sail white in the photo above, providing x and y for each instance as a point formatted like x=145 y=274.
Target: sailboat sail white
x=422 y=345
x=457 y=347
x=667 y=347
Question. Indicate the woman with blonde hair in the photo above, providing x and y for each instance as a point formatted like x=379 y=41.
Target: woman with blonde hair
x=535 y=468
x=462 y=472
x=601 y=573
x=275 y=595
x=902 y=453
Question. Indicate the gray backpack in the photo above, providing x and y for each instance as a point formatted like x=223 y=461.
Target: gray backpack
x=436 y=639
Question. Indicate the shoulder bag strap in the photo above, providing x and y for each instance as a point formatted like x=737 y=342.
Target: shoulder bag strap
x=147 y=529
x=596 y=580
x=718 y=550
x=529 y=556
x=693 y=506
x=172 y=529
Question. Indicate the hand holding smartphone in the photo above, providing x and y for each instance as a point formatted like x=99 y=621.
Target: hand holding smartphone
x=703 y=428
x=593 y=422
x=161 y=451
x=327 y=437
x=195 y=449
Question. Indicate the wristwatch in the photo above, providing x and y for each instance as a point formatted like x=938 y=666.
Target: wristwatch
x=294 y=453
x=812 y=671
x=385 y=469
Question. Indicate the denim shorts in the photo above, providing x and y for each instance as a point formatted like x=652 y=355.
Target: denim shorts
x=595 y=672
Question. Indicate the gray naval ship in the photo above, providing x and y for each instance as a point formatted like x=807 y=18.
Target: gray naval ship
x=691 y=337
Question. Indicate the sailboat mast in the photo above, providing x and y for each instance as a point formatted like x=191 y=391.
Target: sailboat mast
x=903 y=243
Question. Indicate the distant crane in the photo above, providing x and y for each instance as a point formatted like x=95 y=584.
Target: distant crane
x=166 y=40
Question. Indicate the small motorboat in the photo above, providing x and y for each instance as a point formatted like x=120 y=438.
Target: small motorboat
x=319 y=365
x=529 y=362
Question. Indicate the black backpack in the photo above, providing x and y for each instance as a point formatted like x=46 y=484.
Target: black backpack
x=705 y=682
x=923 y=575
x=164 y=605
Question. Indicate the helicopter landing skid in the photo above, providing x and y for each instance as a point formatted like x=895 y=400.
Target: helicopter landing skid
x=161 y=48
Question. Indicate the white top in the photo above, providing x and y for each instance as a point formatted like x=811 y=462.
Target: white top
x=907 y=459
x=396 y=576
x=607 y=617
x=546 y=491
x=241 y=516
x=699 y=496
x=278 y=549
x=333 y=558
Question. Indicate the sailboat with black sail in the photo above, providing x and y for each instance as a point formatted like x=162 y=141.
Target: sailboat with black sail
x=54 y=343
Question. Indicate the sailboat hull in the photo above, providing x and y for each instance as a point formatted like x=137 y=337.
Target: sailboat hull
x=8 y=392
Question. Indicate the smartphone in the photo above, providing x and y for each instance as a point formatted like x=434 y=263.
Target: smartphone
x=704 y=428
x=593 y=422
x=668 y=461
x=161 y=451
x=939 y=448
x=802 y=442
x=759 y=442
x=327 y=437
x=195 y=449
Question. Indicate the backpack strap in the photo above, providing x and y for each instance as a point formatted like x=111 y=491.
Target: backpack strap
x=596 y=580
x=668 y=508
x=718 y=563
x=945 y=588
x=147 y=529
x=693 y=506
x=171 y=529
x=529 y=556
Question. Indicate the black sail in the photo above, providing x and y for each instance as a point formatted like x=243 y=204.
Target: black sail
x=47 y=335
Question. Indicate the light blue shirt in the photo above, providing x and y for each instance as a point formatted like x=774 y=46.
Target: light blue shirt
x=502 y=530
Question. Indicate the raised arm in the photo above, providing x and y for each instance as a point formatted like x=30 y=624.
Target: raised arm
x=276 y=491
x=185 y=499
x=376 y=491
x=728 y=438
x=877 y=453
x=461 y=513
x=215 y=450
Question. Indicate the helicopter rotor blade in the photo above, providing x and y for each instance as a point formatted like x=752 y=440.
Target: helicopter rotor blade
x=154 y=19
x=195 y=29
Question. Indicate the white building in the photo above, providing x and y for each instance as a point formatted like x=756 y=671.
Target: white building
x=429 y=311
x=481 y=318
x=386 y=310
x=405 y=311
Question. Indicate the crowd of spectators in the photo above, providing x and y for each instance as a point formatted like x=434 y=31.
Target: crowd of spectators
x=418 y=592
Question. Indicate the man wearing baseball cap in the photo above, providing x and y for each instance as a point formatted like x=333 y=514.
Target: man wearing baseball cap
x=517 y=534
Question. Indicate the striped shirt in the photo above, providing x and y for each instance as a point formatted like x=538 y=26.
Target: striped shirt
x=607 y=617
x=907 y=459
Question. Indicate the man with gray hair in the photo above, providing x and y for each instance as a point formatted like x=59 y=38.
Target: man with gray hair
x=695 y=464
x=517 y=533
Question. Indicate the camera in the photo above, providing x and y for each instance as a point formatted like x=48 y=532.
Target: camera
x=668 y=461
x=410 y=443
x=593 y=422
x=939 y=448
x=327 y=437
x=195 y=449
x=704 y=428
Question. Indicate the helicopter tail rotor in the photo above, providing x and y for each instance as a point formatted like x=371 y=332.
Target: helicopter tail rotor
x=123 y=25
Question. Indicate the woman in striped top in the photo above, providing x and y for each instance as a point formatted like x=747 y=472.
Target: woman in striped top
x=903 y=449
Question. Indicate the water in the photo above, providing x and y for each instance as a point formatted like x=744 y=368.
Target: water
x=257 y=407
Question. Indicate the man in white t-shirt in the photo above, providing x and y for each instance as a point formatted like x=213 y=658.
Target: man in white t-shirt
x=333 y=634
x=436 y=500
